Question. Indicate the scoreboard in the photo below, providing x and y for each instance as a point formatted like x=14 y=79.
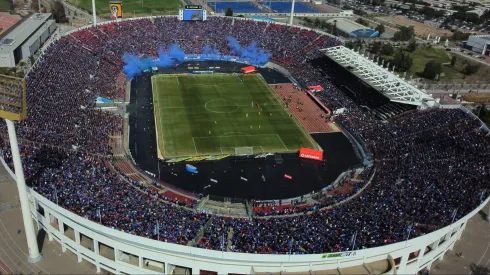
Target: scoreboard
x=192 y=13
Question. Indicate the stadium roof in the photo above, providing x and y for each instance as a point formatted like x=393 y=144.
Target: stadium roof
x=389 y=84
x=19 y=33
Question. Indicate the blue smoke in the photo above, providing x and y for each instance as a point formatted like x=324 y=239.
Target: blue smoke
x=251 y=52
x=135 y=65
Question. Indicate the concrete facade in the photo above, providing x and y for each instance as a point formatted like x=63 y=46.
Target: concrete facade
x=479 y=44
x=25 y=38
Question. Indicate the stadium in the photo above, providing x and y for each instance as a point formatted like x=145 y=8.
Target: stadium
x=196 y=167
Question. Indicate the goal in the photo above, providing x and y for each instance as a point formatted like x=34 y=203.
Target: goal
x=244 y=150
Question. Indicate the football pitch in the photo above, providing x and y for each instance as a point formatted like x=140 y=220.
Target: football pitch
x=198 y=115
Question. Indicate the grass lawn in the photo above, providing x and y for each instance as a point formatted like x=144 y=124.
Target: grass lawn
x=423 y=55
x=207 y=115
x=138 y=7
x=5 y=5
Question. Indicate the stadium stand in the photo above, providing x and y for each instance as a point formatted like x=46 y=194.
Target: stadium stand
x=423 y=160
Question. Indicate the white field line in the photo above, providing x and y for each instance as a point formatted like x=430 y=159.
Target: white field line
x=237 y=136
x=282 y=142
x=303 y=129
x=155 y=103
x=195 y=148
x=183 y=107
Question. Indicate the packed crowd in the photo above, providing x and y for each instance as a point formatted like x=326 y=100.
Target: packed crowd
x=424 y=162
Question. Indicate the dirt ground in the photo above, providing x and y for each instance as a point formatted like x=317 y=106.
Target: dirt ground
x=420 y=28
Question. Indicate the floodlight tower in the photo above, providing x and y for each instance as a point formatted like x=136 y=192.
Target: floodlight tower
x=292 y=14
x=15 y=111
x=94 y=20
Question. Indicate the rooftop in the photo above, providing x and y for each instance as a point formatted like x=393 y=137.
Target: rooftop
x=20 y=32
x=385 y=81
x=347 y=25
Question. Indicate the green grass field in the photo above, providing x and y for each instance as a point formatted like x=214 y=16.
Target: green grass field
x=132 y=8
x=207 y=115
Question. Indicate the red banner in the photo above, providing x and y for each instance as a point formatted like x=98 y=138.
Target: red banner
x=311 y=154
x=248 y=69
x=317 y=88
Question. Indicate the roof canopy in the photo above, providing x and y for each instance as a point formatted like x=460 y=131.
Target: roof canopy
x=386 y=82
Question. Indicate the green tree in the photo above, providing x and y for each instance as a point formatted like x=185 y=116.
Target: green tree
x=453 y=60
x=485 y=17
x=58 y=11
x=404 y=34
x=387 y=49
x=402 y=61
x=376 y=47
x=362 y=21
x=229 y=12
x=470 y=68
x=432 y=68
x=412 y=45
x=35 y=5
x=380 y=28
x=349 y=44
x=459 y=36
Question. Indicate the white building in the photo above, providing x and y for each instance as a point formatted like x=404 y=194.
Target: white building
x=479 y=44
x=25 y=38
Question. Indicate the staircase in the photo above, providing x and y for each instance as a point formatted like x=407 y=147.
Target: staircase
x=200 y=233
x=230 y=237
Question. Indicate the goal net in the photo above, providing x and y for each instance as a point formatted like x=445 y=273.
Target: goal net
x=244 y=151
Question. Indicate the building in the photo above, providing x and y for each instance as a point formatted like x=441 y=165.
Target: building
x=349 y=28
x=25 y=38
x=479 y=44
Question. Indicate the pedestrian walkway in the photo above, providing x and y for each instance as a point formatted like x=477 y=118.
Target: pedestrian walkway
x=13 y=245
x=471 y=254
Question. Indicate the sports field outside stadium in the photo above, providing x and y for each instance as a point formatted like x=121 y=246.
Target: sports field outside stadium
x=215 y=114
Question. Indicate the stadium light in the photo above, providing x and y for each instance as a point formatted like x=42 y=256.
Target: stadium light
x=10 y=111
x=94 y=20
x=291 y=16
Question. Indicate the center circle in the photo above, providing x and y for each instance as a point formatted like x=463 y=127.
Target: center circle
x=221 y=106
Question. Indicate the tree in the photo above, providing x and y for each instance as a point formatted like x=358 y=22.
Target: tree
x=412 y=46
x=432 y=68
x=402 y=61
x=404 y=34
x=35 y=5
x=229 y=12
x=362 y=21
x=380 y=28
x=349 y=44
x=470 y=68
x=58 y=11
x=453 y=60
x=387 y=49
x=459 y=36
x=317 y=22
x=376 y=47
x=485 y=17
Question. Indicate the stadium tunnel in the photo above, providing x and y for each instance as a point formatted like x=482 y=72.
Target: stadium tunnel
x=351 y=29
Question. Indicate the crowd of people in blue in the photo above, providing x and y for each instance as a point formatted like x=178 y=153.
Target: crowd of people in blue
x=430 y=167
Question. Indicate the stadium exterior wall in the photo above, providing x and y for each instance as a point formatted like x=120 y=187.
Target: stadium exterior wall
x=56 y=217
x=439 y=241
